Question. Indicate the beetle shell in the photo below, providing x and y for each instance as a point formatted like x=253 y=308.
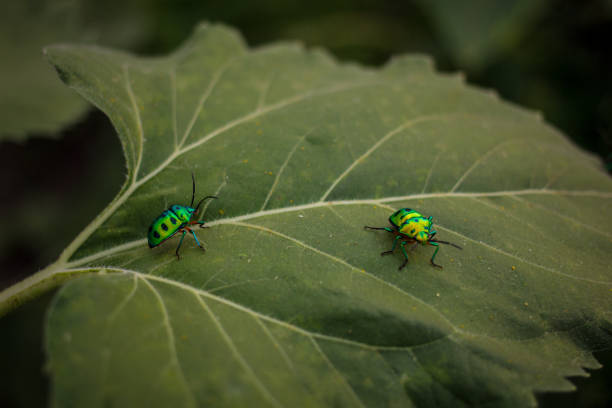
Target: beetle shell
x=168 y=223
x=412 y=224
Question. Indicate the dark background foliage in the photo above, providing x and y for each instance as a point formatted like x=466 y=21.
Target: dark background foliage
x=547 y=55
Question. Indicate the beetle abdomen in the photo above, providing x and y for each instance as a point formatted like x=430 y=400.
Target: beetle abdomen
x=411 y=223
x=163 y=227
x=402 y=215
x=417 y=228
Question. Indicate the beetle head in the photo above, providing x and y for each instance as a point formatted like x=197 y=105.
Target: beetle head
x=422 y=237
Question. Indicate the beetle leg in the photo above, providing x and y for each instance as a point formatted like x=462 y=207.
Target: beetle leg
x=196 y=238
x=393 y=247
x=179 y=245
x=378 y=228
x=405 y=255
x=448 y=243
x=434 y=254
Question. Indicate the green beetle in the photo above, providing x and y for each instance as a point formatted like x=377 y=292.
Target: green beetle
x=176 y=218
x=410 y=227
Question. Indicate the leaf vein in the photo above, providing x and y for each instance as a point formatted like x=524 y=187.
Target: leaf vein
x=282 y=167
x=374 y=147
x=173 y=87
x=433 y=165
x=171 y=342
x=333 y=367
x=354 y=269
x=211 y=85
x=564 y=217
x=277 y=345
x=481 y=159
x=518 y=258
x=237 y=355
x=124 y=302
x=140 y=134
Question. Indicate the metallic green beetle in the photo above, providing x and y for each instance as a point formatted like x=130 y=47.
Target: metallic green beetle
x=410 y=227
x=176 y=218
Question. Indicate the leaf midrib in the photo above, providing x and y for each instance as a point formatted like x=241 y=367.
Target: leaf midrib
x=366 y=201
x=12 y=296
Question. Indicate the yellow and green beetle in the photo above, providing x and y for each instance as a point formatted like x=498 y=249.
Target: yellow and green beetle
x=410 y=227
x=176 y=218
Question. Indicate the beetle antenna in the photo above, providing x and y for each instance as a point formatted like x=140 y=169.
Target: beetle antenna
x=447 y=243
x=198 y=206
x=193 y=190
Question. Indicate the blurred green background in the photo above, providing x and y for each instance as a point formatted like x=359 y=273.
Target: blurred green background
x=62 y=162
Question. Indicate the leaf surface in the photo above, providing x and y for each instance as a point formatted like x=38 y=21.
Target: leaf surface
x=291 y=304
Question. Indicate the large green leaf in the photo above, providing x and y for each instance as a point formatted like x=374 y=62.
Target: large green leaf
x=477 y=33
x=291 y=305
x=32 y=99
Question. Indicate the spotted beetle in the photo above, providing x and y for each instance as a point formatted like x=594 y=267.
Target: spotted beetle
x=176 y=218
x=410 y=227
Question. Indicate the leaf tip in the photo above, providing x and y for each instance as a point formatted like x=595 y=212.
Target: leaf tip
x=460 y=77
x=538 y=115
x=413 y=64
x=62 y=74
x=205 y=32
